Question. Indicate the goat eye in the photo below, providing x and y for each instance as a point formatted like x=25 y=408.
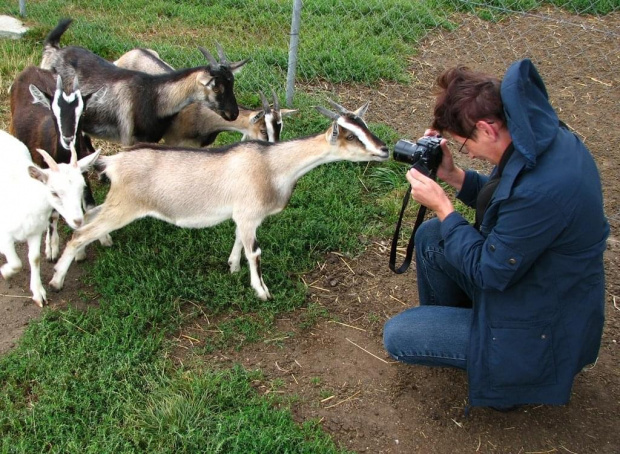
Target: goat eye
x=263 y=132
x=350 y=137
x=55 y=195
x=216 y=89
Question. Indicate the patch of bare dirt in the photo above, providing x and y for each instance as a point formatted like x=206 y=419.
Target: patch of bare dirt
x=337 y=371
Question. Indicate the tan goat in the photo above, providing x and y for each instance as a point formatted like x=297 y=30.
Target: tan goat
x=245 y=182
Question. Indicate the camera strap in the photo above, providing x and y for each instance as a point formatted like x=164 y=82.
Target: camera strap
x=410 y=246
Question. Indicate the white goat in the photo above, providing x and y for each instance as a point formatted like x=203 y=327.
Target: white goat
x=196 y=125
x=29 y=194
x=245 y=182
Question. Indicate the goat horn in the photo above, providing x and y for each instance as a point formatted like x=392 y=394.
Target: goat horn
x=337 y=106
x=76 y=84
x=276 y=101
x=220 y=53
x=59 y=83
x=49 y=160
x=266 y=106
x=334 y=136
x=209 y=57
x=327 y=113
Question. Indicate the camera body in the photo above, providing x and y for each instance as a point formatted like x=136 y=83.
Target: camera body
x=424 y=155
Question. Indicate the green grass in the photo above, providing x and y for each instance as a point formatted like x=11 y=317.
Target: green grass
x=100 y=381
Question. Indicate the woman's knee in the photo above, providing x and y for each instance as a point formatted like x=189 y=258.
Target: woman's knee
x=389 y=336
x=428 y=234
x=400 y=332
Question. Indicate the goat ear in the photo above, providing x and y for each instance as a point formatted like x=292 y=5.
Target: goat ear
x=86 y=162
x=287 y=112
x=257 y=117
x=204 y=78
x=38 y=97
x=37 y=174
x=96 y=97
x=236 y=67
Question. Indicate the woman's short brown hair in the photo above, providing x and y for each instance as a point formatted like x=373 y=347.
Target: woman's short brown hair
x=464 y=97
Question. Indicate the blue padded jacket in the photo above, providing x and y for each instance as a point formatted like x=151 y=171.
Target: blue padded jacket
x=537 y=261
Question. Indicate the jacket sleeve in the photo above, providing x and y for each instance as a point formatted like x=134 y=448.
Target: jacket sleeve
x=471 y=187
x=527 y=224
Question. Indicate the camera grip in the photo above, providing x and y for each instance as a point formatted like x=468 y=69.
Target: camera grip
x=420 y=167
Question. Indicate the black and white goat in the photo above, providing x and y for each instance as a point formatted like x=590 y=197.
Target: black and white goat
x=139 y=107
x=198 y=126
x=245 y=182
x=44 y=116
x=29 y=194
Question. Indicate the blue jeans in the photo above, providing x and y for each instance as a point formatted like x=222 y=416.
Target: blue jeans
x=436 y=333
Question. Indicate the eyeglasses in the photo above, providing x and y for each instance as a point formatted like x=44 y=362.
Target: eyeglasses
x=463 y=144
x=469 y=136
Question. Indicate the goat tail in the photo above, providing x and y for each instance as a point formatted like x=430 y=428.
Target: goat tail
x=53 y=38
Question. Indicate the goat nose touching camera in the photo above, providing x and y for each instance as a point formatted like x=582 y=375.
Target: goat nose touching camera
x=424 y=156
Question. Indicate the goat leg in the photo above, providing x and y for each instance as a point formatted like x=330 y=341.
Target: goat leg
x=101 y=220
x=234 y=260
x=34 y=257
x=52 y=242
x=13 y=263
x=253 y=253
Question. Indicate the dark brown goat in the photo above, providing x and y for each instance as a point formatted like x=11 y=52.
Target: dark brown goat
x=44 y=116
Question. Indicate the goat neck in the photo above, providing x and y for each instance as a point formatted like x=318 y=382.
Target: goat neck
x=348 y=139
x=173 y=95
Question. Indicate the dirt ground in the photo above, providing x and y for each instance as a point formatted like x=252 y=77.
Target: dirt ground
x=336 y=371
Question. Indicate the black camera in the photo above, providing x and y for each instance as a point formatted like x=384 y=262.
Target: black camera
x=424 y=155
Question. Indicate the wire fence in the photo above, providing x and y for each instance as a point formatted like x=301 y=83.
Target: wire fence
x=530 y=31
x=333 y=41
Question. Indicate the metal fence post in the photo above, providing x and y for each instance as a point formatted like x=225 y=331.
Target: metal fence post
x=22 y=8
x=292 y=52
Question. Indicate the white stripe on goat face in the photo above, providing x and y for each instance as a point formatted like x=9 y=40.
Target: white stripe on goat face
x=271 y=133
x=370 y=143
x=67 y=109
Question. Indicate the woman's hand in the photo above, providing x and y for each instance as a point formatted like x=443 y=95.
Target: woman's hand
x=447 y=170
x=428 y=193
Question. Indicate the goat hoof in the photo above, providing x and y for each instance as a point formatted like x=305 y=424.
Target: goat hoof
x=266 y=296
x=56 y=286
x=106 y=241
x=39 y=297
x=8 y=272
